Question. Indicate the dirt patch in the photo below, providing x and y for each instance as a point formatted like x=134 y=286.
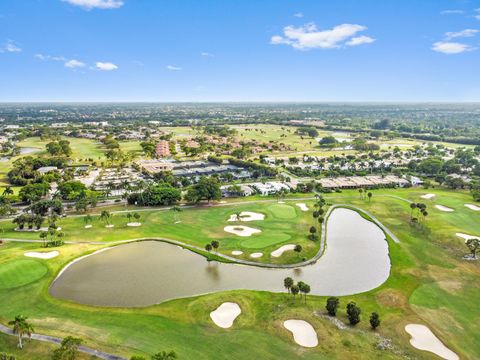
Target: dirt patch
x=392 y=298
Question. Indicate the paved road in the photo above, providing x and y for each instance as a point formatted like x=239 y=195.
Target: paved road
x=56 y=340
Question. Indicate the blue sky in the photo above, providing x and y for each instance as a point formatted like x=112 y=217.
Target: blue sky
x=239 y=50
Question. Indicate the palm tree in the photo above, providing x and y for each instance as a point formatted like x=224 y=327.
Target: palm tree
x=208 y=247
x=105 y=217
x=129 y=216
x=136 y=216
x=21 y=327
x=87 y=219
x=295 y=290
x=413 y=206
x=288 y=283
x=303 y=288
x=43 y=236
x=215 y=245
x=7 y=191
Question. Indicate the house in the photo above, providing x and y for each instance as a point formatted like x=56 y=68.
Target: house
x=163 y=149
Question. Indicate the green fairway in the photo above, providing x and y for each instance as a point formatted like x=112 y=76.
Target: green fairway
x=429 y=284
x=20 y=272
x=199 y=226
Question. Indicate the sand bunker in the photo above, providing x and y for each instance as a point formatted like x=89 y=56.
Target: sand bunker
x=88 y=226
x=241 y=230
x=303 y=333
x=42 y=255
x=256 y=255
x=302 y=206
x=473 y=207
x=444 y=208
x=225 y=314
x=237 y=252
x=466 y=236
x=134 y=224
x=247 y=216
x=424 y=339
x=109 y=226
x=279 y=252
x=428 y=196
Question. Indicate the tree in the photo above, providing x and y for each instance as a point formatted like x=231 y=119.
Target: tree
x=171 y=355
x=369 y=196
x=5 y=356
x=360 y=191
x=374 y=320
x=303 y=288
x=328 y=142
x=136 y=216
x=332 y=305
x=21 y=327
x=215 y=244
x=72 y=190
x=353 y=313
x=207 y=188
x=7 y=191
x=473 y=245
x=87 y=219
x=138 y=357
x=155 y=195
x=288 y=283
x=33 y=192
x=105 y=216
x=208 y=247
x=294 y=290
x=298 y=248
x=68 y=349
x=413 y=206
x=43 y=236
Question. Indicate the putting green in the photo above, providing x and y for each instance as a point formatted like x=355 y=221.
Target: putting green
x=20 y=272
x=283 y=211
x=259 y=242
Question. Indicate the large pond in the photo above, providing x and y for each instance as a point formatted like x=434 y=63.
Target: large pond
x=149 y=272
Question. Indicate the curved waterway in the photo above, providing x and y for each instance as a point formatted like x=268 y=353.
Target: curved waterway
x=149 y=272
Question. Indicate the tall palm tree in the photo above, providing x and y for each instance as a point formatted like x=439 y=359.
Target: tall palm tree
x=21 y=327
x=105 y=217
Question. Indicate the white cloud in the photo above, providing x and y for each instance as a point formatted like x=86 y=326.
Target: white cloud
x=173 y=68
x=99 y=4
x=359 y=40
x=449 y=12
x=105 y=66
x=309 y=37
x=450 y=48
x=298 y=15
x=73 y=64
x=48 y=57
x=10 y=46
x=461 y=34
x=478 y=14
x=207 y=54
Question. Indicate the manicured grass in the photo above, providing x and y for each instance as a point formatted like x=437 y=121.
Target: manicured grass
x=284 y=223
x=20 y=272
x=429 y=284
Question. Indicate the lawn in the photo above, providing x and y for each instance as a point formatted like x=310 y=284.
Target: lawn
x=429 y=284
x=283 y=224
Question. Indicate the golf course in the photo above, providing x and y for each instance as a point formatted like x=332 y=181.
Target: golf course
x=426 y=280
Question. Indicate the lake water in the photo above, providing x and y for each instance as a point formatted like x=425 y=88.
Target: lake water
x=149 y=272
